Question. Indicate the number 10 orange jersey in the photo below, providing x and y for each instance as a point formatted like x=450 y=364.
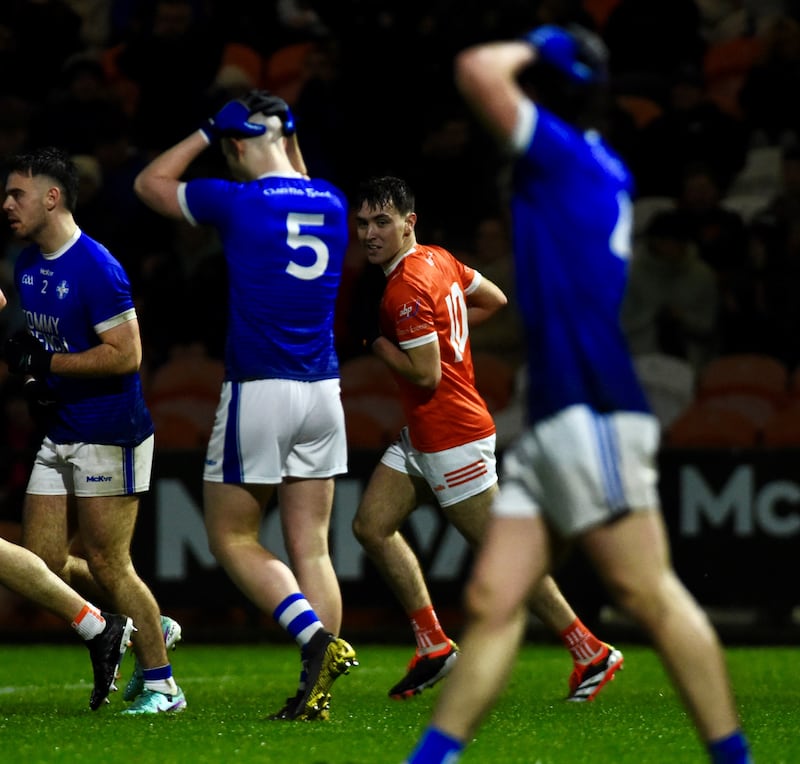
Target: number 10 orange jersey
x=425 y=300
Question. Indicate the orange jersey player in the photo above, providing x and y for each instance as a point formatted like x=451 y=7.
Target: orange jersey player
x=426 y=301
x=447 y=448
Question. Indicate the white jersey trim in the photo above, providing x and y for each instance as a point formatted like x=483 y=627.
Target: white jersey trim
x=475 y=283
x=184 y=205
x=426 y=339
x=527 y=117
x=64 y=247
x=120 y=318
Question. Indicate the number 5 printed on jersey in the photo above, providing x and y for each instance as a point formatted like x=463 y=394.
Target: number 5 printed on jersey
x=296 y=240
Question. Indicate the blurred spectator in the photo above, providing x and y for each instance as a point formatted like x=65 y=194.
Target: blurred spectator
x=785 y=205
x=650 y=39
x=722 y=20
x=171 y=56
x=453 y=172
x=760 y=311
x=15 y=117
x=671 y=303
x=322 y=113
x=95 y=16
x=490 y=253
x=78 y=110
x=690 y=129
x=767 y=96
x=719 y=233
x=36 y=38
x=116 y=215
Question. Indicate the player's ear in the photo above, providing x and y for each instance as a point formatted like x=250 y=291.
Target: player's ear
x=51 y=198
x=411 y=221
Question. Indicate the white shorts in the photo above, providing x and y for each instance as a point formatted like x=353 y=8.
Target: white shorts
x=454 y=474
x=268 y=429
x=89 y=469
x=581 y=469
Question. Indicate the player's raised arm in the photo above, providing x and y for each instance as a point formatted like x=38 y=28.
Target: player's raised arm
x=486 y=76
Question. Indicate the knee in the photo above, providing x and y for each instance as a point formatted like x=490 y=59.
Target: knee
x=483 y=603
x=217 y=544
x=366 y=530
x=645 y=600
x=107 y=570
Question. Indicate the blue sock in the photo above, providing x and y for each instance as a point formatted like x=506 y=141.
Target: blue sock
x=730 y=750
x=296 y=615
x=436 y=747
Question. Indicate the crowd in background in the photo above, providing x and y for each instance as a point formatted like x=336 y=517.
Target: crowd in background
x=699 y=86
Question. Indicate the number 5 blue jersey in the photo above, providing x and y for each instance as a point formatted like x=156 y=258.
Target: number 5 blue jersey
x=284 y=240
x=572 y=216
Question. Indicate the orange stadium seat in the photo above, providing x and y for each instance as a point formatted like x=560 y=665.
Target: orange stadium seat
x=175 y=432
x=748 y=373
x=704 y=426
x=757 y=408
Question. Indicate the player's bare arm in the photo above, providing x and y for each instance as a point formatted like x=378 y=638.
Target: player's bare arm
x=484 y=302
x=120 y=352
x=157 y=185
x=420 y=365
x=485 y=75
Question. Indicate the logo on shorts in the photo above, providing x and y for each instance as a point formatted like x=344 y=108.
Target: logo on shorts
x=98 y=478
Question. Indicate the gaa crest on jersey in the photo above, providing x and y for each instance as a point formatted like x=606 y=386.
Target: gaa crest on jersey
x=62 y=290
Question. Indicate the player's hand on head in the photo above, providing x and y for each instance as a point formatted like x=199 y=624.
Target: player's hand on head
x=264 y=102
x=24 y=354
x=559 y=49
x=232 y=121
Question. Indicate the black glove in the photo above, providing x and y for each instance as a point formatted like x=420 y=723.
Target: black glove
x=26 y=355
x=231 y=121
x=41 y=402
x=263 y=102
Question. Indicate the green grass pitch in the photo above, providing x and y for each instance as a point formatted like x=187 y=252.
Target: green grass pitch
x=45 y=716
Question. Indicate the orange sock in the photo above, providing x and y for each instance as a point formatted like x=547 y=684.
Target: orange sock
x=428 y=631
x=582 y=644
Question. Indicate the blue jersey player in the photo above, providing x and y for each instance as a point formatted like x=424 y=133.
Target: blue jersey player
x=279 y=425
x=584 y=469
x=80 y=353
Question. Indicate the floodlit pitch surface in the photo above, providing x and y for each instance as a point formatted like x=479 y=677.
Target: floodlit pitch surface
x=231 y=689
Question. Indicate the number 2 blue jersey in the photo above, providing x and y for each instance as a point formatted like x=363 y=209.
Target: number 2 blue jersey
x=68 y=298
x=572 y=217
x=284 y=240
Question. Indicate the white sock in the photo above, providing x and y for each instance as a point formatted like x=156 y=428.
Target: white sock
x=89 y=623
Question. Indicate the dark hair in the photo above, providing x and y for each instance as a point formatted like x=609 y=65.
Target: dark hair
x=55 y=164
x=385 y=191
